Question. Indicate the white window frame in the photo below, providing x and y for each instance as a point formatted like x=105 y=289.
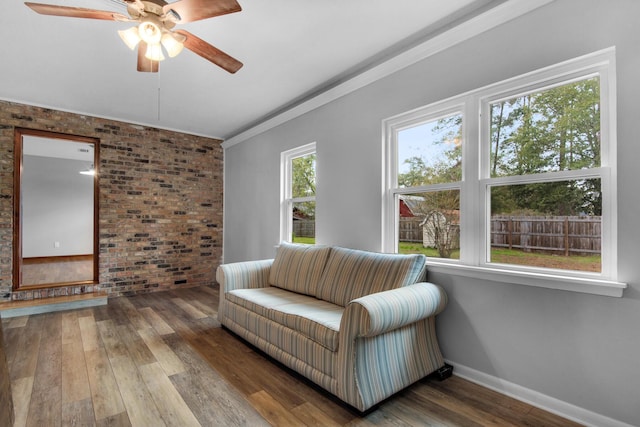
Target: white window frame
x=476 y=181
x=286 y=197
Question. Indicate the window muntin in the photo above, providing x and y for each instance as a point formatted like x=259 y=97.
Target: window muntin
x=427 y=179
x=587 y=168
x=545 y=147
x=298 y=195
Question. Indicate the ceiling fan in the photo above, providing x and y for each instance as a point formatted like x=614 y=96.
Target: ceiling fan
x=156 y=20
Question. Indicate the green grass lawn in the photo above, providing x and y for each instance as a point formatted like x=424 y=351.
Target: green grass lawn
x=417 y=248
x=590 y=263
x=512 y=256
x=305 y=240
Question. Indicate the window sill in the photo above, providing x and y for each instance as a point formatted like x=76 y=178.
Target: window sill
x=595 y=286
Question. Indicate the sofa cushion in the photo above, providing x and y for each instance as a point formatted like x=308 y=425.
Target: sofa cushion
x=298 y=267
x=316 y=319
x=352 y=273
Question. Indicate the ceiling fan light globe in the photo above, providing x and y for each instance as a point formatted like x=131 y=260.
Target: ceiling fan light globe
x=130 y=37
x=150 y=32
x=173 y=46
x=154 y=52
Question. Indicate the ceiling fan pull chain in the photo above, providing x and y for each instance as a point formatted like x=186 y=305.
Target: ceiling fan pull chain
x=158 y=95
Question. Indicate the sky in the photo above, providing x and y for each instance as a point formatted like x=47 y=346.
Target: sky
x=422 y=141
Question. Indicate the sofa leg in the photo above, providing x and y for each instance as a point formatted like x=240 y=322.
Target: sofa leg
x=445 y=372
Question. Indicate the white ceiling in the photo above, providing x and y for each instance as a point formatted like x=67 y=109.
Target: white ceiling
x=291 y=50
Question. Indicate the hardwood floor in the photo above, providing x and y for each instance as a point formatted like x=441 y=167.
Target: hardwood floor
x=163 y=359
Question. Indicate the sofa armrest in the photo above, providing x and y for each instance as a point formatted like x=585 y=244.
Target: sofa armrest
x=389 y=310
x=244 y=275
x=388 y=341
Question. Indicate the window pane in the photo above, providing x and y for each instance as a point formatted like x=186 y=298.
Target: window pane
x=431 y=152
x=303 y=176
x=429 y=223
x=552 y=130
x=304 y=222
x=552 y=225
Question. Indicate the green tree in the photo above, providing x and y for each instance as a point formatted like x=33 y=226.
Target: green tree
x=553 y=130
x=416 y=175
x=439 y=210
x=303 y=184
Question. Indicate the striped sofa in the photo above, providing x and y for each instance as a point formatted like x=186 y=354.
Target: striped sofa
x=359 y=324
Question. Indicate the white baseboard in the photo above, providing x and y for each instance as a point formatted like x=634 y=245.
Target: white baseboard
x=534 y=398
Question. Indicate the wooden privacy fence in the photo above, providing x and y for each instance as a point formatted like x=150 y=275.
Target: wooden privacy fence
x=566 y=235
x=304 y=228
x=410 y=230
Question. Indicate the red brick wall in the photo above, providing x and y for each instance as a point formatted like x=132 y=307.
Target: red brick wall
x=160 y=202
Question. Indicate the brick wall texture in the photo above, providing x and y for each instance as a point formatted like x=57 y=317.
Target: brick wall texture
x=160 y=214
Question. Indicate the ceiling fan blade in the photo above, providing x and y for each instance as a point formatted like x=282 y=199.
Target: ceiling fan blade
x=195 y=10
x=208 y=52
x=74 y=12
x=146 y=65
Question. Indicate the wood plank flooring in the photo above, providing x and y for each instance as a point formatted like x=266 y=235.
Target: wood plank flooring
x=162 y=359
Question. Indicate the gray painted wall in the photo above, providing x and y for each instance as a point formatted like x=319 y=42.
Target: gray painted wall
x=581 y=349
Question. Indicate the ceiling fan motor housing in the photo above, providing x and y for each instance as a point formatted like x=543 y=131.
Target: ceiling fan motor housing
x=139 y=9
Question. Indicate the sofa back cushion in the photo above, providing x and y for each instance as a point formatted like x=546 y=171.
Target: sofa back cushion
x=298 y=268
x=351 y=274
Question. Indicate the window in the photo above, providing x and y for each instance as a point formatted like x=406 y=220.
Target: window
x=429 y=173
x=515 y=181
x=298 y=195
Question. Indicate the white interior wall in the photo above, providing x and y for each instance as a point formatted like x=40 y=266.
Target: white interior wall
x=573 y=352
